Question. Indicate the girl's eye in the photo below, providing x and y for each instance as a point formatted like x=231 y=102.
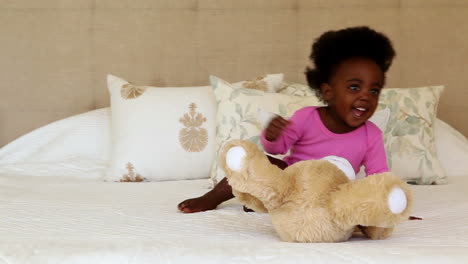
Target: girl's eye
x=354 y=87
x=375 y=91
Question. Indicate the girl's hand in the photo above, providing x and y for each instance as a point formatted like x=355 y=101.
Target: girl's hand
x=275 y=128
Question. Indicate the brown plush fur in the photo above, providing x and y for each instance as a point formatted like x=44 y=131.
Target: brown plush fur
x=313 y=201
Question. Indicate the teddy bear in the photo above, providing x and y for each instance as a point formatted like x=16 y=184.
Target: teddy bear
x=315 y=200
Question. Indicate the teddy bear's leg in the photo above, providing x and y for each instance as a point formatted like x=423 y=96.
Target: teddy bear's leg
x=249 y=171
x=251 y=202
x=374 y=232
x=380 y=200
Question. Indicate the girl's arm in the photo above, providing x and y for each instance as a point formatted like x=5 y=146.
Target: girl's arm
x=289 y=135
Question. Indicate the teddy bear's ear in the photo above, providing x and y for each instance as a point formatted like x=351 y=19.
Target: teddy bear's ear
x=235 y=157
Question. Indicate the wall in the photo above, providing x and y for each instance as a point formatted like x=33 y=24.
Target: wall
x=56 y=53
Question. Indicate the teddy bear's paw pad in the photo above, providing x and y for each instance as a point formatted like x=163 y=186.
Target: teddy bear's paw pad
x=397 y=201
x=235 y=157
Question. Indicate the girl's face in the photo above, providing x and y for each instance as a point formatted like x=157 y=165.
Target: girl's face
x=352 y=94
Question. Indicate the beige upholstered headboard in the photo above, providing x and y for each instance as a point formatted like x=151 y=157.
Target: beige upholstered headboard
x=55 y=54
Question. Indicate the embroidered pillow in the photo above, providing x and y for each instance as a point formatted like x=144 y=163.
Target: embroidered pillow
x=160 y=134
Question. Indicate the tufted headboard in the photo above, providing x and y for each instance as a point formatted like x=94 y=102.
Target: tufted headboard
x=55 y=54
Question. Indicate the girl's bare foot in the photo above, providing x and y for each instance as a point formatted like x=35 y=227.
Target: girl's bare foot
x=199 y=204
x=220 y=193
x=209 y=201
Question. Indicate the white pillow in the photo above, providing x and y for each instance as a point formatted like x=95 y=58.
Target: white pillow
x=77 y=146
x=160 y=134
x=452 y=149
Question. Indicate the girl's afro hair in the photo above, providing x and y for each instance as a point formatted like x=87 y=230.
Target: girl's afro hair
x=333 y=47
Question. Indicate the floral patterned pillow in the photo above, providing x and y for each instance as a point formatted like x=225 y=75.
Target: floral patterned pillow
x=409 y=136
x=296 y=89
x=238 y=114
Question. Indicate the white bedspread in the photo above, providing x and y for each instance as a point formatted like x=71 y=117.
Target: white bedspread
x=57 y=220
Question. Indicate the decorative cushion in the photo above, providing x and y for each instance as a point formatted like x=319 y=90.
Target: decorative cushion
x=296 y=89
x=409 y=136
x=452 y=150
x=160 y=134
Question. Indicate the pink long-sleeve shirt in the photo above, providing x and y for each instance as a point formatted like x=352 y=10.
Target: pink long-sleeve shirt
x=308 y=138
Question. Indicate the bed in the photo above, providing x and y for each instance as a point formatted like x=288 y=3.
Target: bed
x=56 y=208
x=51 y=220
x=65 y=144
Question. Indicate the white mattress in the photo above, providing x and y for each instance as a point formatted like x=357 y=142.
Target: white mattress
x=66 y=220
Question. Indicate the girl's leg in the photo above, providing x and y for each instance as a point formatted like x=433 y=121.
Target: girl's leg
x=210 y=200
x=280 y=163
x=220 y=193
